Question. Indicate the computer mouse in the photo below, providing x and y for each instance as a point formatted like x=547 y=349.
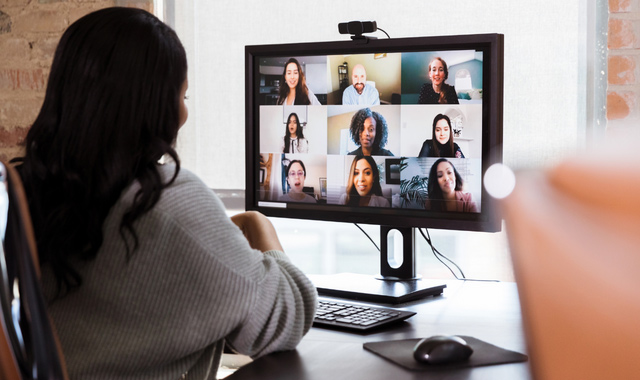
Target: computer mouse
x=442 y=349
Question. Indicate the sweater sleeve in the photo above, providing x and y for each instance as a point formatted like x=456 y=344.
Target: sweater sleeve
x=263 y=303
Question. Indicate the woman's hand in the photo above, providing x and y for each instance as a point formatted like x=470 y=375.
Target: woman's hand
x=258 y=230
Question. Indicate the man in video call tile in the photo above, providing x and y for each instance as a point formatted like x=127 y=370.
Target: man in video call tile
x=360 y=93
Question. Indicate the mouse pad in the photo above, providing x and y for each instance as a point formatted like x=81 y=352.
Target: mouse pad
x=401 y=353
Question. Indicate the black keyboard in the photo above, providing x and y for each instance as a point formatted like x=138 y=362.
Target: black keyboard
x=351 y=316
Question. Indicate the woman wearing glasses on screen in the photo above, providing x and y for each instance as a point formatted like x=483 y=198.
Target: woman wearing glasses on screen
x=445 y=189
x=135 y=253
x=294 y=141
x=441 y=143
x=438 y=92
x=296 y=173
x=369 y=130
x=363 y=186
x=293 y=86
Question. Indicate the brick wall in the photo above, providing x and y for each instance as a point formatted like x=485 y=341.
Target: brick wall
x=29 y=34
x=623 y=93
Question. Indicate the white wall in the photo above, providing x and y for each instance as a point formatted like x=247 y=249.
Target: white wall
x=543 y=94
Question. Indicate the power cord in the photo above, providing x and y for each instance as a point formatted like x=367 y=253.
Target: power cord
x=438 y=255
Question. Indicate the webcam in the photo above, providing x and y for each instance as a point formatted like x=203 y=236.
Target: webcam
x=357 y=28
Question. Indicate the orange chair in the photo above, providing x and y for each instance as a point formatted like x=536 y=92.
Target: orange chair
x=28 y=344
x=574 y=232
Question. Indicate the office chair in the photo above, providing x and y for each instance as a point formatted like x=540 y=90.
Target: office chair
x=575 y=248
x=28 y=344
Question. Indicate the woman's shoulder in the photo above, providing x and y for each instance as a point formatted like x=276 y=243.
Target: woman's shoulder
x=378 y=201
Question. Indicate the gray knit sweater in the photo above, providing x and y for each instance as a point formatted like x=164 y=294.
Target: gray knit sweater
x=193 y=283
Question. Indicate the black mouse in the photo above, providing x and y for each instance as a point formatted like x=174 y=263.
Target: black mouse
x=442 y=349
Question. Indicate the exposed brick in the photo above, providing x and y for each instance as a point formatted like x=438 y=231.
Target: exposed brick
x=43 y=49
x=5 y=23
x=619 y=5
x=12 y=137
x=619 y=104
x=40 y=20
x=621 y=34
x=147 y=5
x=14 y=49
x=19 y=79
x=20 y=111
x=621 y=70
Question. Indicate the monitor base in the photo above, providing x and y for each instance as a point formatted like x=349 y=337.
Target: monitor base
x=362 y=287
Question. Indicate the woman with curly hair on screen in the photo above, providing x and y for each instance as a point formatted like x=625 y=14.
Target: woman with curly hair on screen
x=369 y=130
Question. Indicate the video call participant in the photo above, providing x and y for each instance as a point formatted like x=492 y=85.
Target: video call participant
x=144 y=274
x=441 y=143
x=369 y=131
x=359 y=93
x=294 y=141
x=363 y=186
x=438 y=92
x=296 y=174
x=445 y=189
x=293 y=86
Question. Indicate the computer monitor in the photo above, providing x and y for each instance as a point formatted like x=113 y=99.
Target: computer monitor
x=392 y=132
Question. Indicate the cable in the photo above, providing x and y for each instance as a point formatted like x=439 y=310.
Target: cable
x=437 y=255
x=367 y=235
x=382 y=30
x=443 y=256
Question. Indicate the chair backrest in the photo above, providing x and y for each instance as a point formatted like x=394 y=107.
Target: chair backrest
x=28 y=344
x=574 y=241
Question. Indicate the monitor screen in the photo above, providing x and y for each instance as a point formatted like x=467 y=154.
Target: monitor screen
x=394 y=132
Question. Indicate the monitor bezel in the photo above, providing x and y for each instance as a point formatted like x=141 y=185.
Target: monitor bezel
x=487 y=220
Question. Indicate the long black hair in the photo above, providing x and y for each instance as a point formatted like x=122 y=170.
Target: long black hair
x=353 y=198
x=434 y=191
x=110 y=112
x=437 y=149
x=287 y=134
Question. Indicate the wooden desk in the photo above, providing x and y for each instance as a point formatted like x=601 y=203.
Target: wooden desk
x=485 y=310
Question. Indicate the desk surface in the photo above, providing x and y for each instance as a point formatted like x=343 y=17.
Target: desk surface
x=485 y=310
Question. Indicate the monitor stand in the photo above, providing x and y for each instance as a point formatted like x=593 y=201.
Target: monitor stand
x=397 y=282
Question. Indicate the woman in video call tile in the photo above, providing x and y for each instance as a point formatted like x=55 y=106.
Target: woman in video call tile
x=441 y=143
x=294 y=141
x=363 y=186
x=296 y=173
x=438 y=92
x=369 y=130
x=445 y=189
x=293 y=86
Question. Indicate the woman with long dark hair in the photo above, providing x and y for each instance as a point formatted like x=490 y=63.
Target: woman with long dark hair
x=441 y=143
x=445 y=189
x=294 y=141
x=363 y=185
x=293 y=86
x=145 y=274
x=438 y=92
